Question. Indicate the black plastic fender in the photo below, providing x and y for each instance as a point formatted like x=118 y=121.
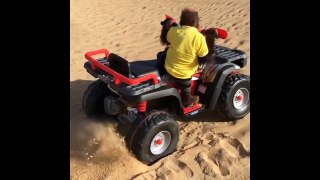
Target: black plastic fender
x=219 y=82
x=213 y=90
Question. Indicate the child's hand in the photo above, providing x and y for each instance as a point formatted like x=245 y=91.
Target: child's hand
x=215 y=32
x=211 y=32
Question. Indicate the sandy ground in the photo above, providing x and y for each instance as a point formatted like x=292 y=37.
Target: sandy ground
x=209 y=147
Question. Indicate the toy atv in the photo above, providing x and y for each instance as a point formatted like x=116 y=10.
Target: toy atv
x=138 y=93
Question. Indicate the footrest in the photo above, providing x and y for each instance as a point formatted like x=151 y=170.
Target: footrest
x=192 y=110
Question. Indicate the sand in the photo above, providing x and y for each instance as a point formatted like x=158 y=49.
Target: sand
x=209 y=147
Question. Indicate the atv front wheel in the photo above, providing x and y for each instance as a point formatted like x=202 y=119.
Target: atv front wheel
x=234 y=100
x=153 y=137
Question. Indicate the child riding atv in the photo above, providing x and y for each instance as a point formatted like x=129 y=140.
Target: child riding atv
x=137 y=92
x=186 y=49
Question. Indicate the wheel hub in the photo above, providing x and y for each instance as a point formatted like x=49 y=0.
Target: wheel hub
x=160 y=142
x=241 y=98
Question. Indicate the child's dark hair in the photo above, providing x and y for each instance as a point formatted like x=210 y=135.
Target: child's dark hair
x=166 y=25
x=189 y=18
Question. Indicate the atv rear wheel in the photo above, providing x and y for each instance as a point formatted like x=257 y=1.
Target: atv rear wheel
x=92 y=101
x=234 y=100
x=153 y=137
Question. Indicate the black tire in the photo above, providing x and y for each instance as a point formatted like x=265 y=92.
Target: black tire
x=92 y=101
x=143 y=131
x=225 y=106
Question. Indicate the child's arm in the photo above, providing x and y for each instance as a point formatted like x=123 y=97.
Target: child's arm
x=210 y=35
x=210 y=38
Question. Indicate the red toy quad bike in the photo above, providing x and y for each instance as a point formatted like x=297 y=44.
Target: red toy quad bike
x=137 y=92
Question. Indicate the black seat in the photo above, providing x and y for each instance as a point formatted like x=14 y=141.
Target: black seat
x=119 y=64
x=137 y=68
x=141 y=68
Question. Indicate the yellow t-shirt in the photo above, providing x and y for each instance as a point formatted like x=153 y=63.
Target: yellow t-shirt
x=186 y=44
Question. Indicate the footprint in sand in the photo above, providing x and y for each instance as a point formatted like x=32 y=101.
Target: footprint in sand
x=235 y=148
x=208 y=136
x=163 y=172
x=224 y=152
x=179 y=167
x=191 y=143
x=208 y=139
x=221 y=159
x=206 y=165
